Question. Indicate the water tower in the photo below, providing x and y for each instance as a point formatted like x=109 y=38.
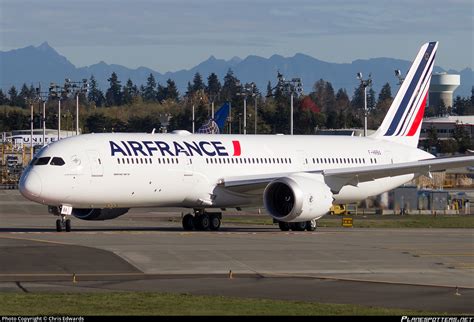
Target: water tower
x=442 y=87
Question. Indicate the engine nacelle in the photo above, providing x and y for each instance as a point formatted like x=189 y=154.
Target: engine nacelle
x=98 y=214
x=298 y=197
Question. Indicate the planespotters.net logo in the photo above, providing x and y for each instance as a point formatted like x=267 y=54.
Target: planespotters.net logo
x=437 y=319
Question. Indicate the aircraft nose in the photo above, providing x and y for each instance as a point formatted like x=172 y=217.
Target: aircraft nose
x=30 y=185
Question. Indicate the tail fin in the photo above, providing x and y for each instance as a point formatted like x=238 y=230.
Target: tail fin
x=402 y=124
x=216 y=125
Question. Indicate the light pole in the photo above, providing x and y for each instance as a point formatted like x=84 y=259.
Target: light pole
x=78 y=88
x=245 y=115
x=31 y=134
x=249 y=89
x=398 y=74
x=59 y=119
x=364 y=83
x=255 y=98
x=44 y=122
x=294 y=86
x=56 y=91
x=42 y=98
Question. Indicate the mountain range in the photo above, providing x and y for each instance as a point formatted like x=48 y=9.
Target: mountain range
x=44 y=64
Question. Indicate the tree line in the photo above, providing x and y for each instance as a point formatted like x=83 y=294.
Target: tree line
x=140 y=108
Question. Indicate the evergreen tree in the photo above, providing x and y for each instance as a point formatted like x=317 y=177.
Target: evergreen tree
x=198 y=84
x=171 y=90
x=13 y=94
x=213 y=87
x=269 y=89
x=189 y=90
x=24 y=95
x=384 y=101
x=357 y=101
x=150 y=92
x=3 y=98
x=230 y=87
x=16 y=120
x=95 y=94
x=113 y=94
x=127 y=93
x=431 y=144
x=324 y=96
x=463 y=106
x=142 y=90
x=342 y=106
x=385 y=93
x=32 y=92
x=462 y=138
x=161 y=93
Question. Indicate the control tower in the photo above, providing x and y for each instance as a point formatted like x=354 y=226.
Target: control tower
x=442 y=87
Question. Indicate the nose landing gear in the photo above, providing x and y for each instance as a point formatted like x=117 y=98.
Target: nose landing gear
x=62 y=223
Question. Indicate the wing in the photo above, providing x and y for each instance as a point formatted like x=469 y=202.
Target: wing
x=338 y=178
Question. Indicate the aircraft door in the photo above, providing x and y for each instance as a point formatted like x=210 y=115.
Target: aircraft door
x=96 y=164
x=188 y=168
x=389 y=157
x=302 y=159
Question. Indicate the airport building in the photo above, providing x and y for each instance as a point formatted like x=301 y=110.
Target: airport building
x=445 y=126
x=24 y=138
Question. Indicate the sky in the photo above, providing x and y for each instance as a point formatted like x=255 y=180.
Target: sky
x=179 y=34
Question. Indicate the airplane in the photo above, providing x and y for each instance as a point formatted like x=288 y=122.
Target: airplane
x=216 y=123
x=297 y=178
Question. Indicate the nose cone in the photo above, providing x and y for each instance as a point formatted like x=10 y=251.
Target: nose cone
x=30 y=185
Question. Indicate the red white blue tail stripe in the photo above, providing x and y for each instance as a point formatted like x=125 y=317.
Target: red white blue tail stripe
x=410 y=111
x=406 y=113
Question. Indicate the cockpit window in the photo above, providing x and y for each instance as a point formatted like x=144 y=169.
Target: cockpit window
x=57 y=161
x=42 y=161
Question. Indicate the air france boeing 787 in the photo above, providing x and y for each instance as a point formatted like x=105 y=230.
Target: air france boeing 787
x=297 y=178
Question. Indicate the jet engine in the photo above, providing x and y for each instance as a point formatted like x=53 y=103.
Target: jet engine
x=298 y=197
x=98 y=214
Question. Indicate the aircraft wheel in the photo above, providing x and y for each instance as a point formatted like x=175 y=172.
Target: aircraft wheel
x=188 y=222
x=59 y=226
x=311 y=225
x=202 y=222
x=68 y=225
x=284 y=226
x=214 y=222
x=298 y=226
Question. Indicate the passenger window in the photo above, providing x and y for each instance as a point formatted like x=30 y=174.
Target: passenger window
x=57 y=161
x=42 y=161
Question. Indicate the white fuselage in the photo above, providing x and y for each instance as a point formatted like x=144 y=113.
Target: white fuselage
x=183 y=170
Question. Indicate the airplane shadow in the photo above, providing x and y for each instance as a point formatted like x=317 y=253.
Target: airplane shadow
x=139 y=229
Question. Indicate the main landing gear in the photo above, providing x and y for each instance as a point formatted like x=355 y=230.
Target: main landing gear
x=202 y=220
x=309 y=225
x=62 y=224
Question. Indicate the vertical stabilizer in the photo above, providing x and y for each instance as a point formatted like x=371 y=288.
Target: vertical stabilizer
x=402 y=124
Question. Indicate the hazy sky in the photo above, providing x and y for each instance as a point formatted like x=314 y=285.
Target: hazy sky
x=173 y=35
